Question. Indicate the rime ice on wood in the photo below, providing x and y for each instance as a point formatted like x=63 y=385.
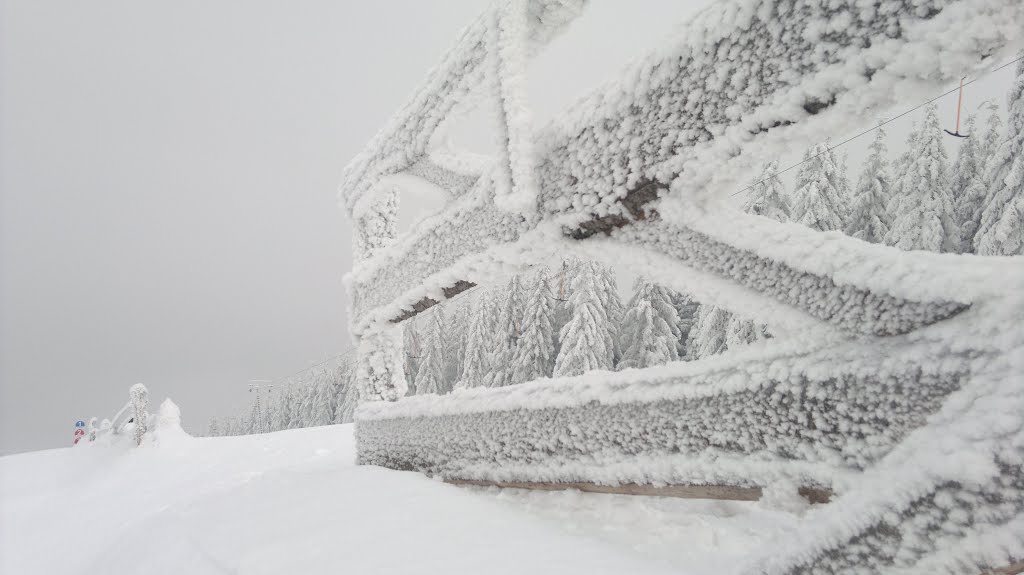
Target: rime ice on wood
x=1001 y=230
x=894 y=361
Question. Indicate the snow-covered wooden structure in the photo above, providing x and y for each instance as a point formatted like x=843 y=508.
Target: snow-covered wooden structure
x=898 y=386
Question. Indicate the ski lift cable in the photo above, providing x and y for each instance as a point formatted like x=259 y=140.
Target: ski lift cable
x=869 y=130
x=433 y=308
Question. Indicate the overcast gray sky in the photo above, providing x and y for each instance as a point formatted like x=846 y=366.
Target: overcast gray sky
x=168 y=175
x=167 y=185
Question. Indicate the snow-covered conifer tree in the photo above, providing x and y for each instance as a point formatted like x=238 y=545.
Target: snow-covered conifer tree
x=741 y=332
x=973 y=199
x=711 y=331
x=586 y=339
x=431 y=373
x=140 y=410
x=561 y=286
x=869 y=219
x=924 y=217
x=768 y=197
x=967 y=171
x=321 y=409
x=650 y=339
x=535 y=355
x=214 y=428
x=305 y=413
x=350 y=397
x=608 y=291
x=686 y=310
x=650 y=329
x=820 y=199
x=507 y=335
x=413 y=347
x=477 y=366
x=1001 y=230
x=900 y=167
x=283 y=413
x=453 y=329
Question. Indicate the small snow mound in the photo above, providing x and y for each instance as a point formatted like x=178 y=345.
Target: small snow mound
x=165 y=425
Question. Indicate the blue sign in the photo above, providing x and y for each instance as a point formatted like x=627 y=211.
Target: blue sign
x=79 y=423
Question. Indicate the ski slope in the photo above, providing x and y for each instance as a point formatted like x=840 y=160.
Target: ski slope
x=295 y=502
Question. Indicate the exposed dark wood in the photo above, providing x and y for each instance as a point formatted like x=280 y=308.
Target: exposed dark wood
x=635 y=202
x=815 y=494
x=722 y=492
x=1015 y=569
x=427 y=303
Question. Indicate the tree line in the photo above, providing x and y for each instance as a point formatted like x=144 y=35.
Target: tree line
x=543 y=325
x=921 y=199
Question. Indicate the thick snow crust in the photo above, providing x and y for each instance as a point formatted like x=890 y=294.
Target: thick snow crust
x=921 y=435
x=488 y=60
x=747 y=77
x=903 y=394
x=295 y=502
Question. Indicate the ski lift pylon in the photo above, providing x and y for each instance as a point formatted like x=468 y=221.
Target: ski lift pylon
x=959 y=105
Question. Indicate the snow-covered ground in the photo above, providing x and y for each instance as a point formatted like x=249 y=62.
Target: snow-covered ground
x=295 y=502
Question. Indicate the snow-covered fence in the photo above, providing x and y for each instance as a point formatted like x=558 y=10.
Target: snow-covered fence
x=897 y=386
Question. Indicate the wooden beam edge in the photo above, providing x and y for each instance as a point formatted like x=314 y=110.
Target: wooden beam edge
x=1014 y=569
x=426 y=303
x=720 y=492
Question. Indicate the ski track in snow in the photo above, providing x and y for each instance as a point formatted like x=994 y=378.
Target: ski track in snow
x=295 y=502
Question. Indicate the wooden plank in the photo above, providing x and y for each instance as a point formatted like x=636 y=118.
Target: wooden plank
x=721 y=492
x=1015 y=569
x=427 y=303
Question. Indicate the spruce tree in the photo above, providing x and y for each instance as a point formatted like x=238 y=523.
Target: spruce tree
x=350 y=399
x=477 y=367
x=321 y=408
x=740 y=332
x=924 y=218
x=650 y=329
x=767 y=197
x=608 y=292
x=535 y=356
x=431 y=373
x=712 y=327
x=972 y=202
x=820 y=199
x=506 y=339
x=686 y=310
x=283 y=413
x=586 y=341
x=869 y=219
x=1001 y=230
x=443 y=341
x=966 y=173
x=562 y=288
x=413 y=346
x=899 y=168
x=305 y=413
x=453 y=338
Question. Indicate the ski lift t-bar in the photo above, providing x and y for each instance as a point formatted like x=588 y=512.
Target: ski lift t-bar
x=959 y=105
